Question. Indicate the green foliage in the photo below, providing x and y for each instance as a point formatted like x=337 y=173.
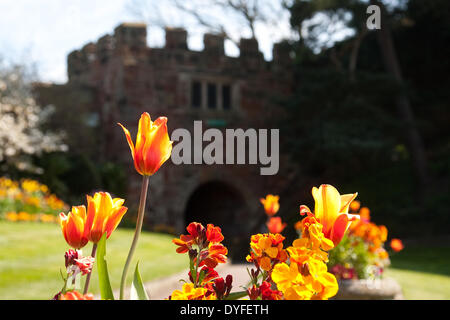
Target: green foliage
x=352 y=253
x=138 y=291
x=106 y=292
x=72 y=175
x=341 y=126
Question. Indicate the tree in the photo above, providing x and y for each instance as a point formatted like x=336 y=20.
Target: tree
x=316 y=17
x=21 y=121
x=404 y=109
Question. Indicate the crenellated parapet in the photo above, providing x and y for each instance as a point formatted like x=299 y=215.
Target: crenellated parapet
x=129 y=44
x=176 y=39
x=131 y=35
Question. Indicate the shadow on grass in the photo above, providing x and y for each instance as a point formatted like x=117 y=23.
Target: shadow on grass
x=423 y=258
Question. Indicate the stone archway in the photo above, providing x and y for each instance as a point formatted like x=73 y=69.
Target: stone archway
x=221 y=204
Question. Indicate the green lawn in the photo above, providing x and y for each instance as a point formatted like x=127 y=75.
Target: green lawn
x=32 y=255
x=422 y=271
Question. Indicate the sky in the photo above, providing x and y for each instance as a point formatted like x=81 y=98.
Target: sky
x=44 y=32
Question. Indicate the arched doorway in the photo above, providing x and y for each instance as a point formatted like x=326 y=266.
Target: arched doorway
x=222 y=205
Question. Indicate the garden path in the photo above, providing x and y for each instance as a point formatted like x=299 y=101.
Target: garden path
x=160 y=289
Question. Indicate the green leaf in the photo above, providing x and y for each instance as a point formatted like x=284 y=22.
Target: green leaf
x=236 y=295
x=137 y=291
x=106 y=292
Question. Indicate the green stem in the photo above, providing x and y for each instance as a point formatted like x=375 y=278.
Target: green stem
x=139 y=222
x=88 y=277
x=196 y=269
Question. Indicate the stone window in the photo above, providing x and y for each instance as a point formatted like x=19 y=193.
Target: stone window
x=212 y=96
x=196 y=94
x=226 y=97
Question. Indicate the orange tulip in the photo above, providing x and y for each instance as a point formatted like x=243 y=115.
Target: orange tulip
x=73 y=227
x=271 y=205
x=103 y=215
x=397 y=245
x=331 y=210
x=153 y=146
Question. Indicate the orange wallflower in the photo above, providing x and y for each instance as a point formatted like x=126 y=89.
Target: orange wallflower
x=214 y=234
x=73 y=227
x=355 y=205
x=207 y=240
x=397 y=245
x=75 y=295
x=153 y=146
x=275 y=225
x=271 y=205
x=267 y=250
x=371 y=233
x=216 y=253
x=103 y=215
x=364 y=214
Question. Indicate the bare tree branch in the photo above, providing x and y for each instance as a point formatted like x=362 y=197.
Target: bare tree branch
x=217 y=16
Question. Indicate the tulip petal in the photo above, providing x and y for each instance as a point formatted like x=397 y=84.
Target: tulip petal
x=129 y=140
x=159 y=147
x=144 y=126
x=339 y=228
x=114 y=220
x=346 y=200
x=327 y=206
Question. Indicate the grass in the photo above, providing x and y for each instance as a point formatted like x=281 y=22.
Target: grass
x=422 y=271
x=32 y=255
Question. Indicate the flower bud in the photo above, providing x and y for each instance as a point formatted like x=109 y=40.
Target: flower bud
x=253 y=292
x=70 y=256
x=219 y=287
x=192 y=254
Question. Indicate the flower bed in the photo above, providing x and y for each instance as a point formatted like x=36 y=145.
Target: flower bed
x=28 y=200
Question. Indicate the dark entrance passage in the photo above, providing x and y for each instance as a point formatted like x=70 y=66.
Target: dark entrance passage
x=222 y=205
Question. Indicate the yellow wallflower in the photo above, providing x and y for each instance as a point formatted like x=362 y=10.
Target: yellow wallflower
x=12 y=216
x=24 y=216
x=304 y=282
x=190 y=293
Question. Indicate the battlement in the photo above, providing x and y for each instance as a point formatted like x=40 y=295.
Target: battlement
x=129 y=42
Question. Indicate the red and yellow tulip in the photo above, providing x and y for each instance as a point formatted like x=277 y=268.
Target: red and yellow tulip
x=74 y=227
x=331 y=210
x=103 y=215
x=153 y=146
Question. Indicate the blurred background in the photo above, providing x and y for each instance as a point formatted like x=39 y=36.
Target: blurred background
x=364 y=110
